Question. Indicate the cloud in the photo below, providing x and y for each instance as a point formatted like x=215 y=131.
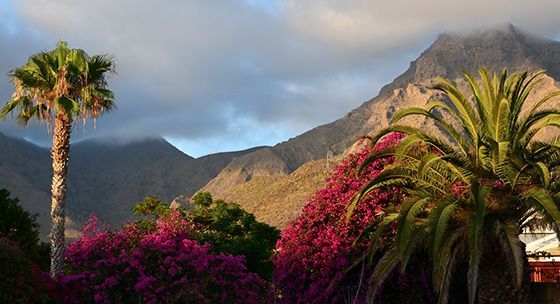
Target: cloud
x=243 y=73
x=362 y=24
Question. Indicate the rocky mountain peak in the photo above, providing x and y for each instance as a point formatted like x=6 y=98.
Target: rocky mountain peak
x=503 y=46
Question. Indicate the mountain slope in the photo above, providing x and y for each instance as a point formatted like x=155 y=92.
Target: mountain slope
x=25 y=172
x=497 y=48
x=107 y=178
x=278 y=199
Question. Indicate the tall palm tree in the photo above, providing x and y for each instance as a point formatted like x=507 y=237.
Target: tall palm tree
x=471 y=194
x=60 y=86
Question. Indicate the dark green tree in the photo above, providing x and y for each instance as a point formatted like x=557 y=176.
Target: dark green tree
x=20 y=227
x=231 y=229
x=149 y=209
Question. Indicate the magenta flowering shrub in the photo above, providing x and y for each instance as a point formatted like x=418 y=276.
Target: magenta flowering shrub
x=161 y=265
x=315 y=251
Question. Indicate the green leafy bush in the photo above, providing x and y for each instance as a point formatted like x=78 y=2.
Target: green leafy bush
x=231 y=229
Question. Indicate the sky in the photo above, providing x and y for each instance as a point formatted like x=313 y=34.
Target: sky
x=213 y=76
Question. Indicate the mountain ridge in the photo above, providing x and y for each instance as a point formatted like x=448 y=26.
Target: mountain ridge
x=104 y=178
x=109 y=179
x=447 y=56
x=451 y=53
x=518 y=50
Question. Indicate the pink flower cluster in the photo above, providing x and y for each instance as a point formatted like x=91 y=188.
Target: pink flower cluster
x=163 y=265
x=315 y=251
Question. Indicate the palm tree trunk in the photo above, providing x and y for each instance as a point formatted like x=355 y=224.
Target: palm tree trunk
x=60 y=154
x=496 y=281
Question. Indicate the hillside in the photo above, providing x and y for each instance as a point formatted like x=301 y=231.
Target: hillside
x=25 y=171
x=278 y=199
x=502 y=47
x=105 y=177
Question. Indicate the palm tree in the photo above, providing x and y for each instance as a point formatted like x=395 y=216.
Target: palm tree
x=470 y=194
x=60 y=86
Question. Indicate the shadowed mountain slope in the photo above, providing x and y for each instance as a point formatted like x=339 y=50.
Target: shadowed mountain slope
x=25 y=170
x=107 y=178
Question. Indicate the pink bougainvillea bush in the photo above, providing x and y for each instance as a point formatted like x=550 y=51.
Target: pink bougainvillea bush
x=316 y=250
x=160 y=265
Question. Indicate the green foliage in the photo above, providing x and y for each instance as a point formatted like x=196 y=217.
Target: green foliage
x=63 y=81
x=230 y=229
x=202 y=199
x=150 y=206
x=149 y=209
x=471 y=196
x=20 y=227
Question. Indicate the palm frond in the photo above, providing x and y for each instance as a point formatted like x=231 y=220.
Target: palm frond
x=449 y=129
x=542 y=201
x=445 y=265
x=407 y=222
x=384 y=267
x=65 y=81
x=466 y=113
x=441 y=216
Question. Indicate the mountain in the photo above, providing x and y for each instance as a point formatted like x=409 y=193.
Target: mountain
x=108 y=177
x=105 y=177
x=500 y=47
x=505 y=46
x=121 y=175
